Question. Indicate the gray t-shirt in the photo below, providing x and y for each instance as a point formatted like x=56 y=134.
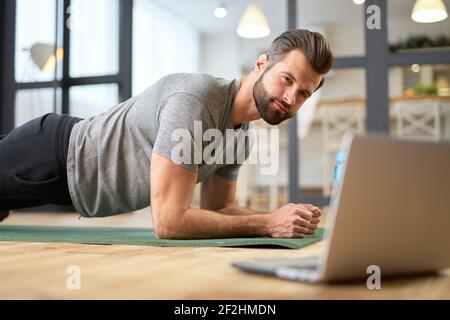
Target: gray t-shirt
x=108 y=162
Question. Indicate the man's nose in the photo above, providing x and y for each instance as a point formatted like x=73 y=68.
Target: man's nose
x=290 y=98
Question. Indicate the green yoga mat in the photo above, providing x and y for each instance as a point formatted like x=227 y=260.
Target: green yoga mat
x=140 y=237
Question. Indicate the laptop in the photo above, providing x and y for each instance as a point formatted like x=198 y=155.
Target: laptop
x=391 y=210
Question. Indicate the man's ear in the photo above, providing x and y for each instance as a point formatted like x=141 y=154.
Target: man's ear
x=261 y=63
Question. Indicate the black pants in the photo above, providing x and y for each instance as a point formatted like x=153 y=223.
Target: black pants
x=33 y=163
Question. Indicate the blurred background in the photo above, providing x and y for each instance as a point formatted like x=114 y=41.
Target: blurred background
x=81 y=57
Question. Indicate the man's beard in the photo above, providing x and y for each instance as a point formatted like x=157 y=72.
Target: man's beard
x=264 y=104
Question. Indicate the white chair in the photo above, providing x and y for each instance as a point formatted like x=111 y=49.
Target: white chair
x=336 y=122
x=418 y=120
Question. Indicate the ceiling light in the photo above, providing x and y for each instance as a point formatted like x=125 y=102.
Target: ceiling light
x=253 y=24
x=43 y=56
x=359 y=1
x=221 y=11
x=427 y=11
x=415 y=68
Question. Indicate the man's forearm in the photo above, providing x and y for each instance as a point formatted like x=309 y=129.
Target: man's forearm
x=235 y=210
x=199 y=223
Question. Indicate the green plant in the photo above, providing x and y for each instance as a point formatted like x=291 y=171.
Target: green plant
x=421 y=41
x=426 y=89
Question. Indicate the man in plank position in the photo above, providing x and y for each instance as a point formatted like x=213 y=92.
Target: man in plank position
x=124 y=159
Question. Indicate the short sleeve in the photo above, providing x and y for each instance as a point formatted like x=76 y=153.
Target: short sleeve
x=242 y=147
x=179 y=137
x=229 y=172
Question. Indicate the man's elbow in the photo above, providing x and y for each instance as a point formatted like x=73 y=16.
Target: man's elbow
x=162 y=231
x=166 y=228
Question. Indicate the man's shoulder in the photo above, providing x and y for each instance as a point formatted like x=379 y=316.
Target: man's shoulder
x=203 y=86
x=200 y=84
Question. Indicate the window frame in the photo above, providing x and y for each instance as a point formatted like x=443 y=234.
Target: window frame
x=9 y=86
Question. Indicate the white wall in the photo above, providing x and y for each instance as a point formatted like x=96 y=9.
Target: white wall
x=346 y=39
x=163 y=43
x=226 y=54
x=220 y=55
x=344 y=83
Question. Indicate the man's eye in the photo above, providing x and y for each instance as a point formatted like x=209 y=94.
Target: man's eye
x=287 y=79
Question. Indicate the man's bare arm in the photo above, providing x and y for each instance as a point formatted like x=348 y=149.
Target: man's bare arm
x=172 y=188
x=219 y=194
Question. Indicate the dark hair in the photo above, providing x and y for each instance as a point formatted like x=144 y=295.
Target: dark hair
x=313 y=45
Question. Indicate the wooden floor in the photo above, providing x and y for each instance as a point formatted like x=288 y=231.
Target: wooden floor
x=39 y=271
